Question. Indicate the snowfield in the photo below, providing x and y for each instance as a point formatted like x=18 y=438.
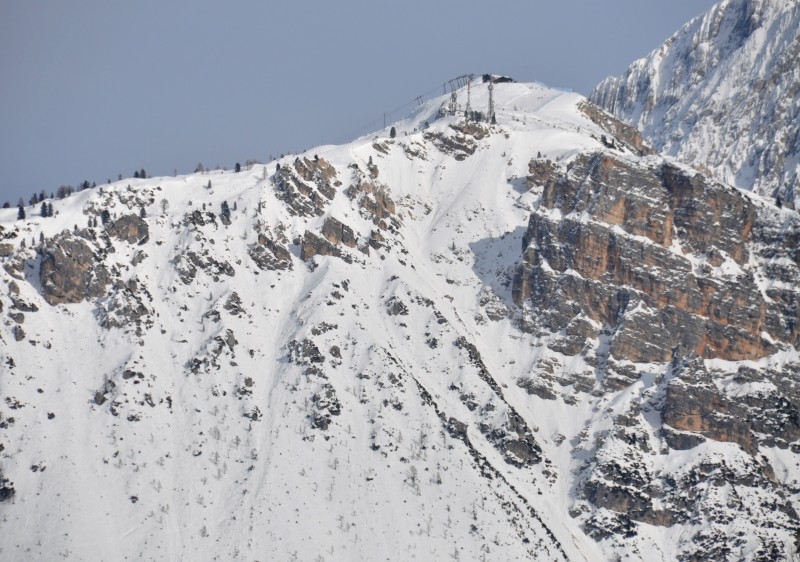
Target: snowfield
x=363 y=406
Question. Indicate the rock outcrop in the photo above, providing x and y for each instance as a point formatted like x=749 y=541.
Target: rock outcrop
x=70 y=271
x=337 y=233
x=270 y=255
x=307 y=187
x=373 y=199
x=628 y=135
x=314 y=245
x=130 y=229
x=660 y=257
x=461 y=144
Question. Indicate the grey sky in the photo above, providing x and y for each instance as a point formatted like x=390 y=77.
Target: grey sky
x=90 y=89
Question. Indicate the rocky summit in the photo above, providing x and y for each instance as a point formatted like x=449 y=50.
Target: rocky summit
x=529 y=339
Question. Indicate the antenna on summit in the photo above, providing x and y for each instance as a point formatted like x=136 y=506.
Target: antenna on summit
x=469 y=109
x=490 y=115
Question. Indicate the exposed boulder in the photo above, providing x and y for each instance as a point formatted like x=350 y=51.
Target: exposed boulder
x=337 y=233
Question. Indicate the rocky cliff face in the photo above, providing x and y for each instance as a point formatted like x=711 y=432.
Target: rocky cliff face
x=527 y=340
x=723 y=94
x=661 y=259
x=633 y=263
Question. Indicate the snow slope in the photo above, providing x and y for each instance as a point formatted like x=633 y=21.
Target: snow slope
x=360 y=407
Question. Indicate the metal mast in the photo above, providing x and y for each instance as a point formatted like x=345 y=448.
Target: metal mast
x=491 y=102
x=469 y=109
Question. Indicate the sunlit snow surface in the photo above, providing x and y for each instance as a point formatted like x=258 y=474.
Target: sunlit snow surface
x=201 y=466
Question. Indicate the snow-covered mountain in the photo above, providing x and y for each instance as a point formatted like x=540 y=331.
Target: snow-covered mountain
x=525 y=340
x=723 y=94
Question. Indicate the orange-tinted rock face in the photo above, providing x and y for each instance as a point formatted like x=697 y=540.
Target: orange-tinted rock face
x=700 y=408
x=635 y=249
